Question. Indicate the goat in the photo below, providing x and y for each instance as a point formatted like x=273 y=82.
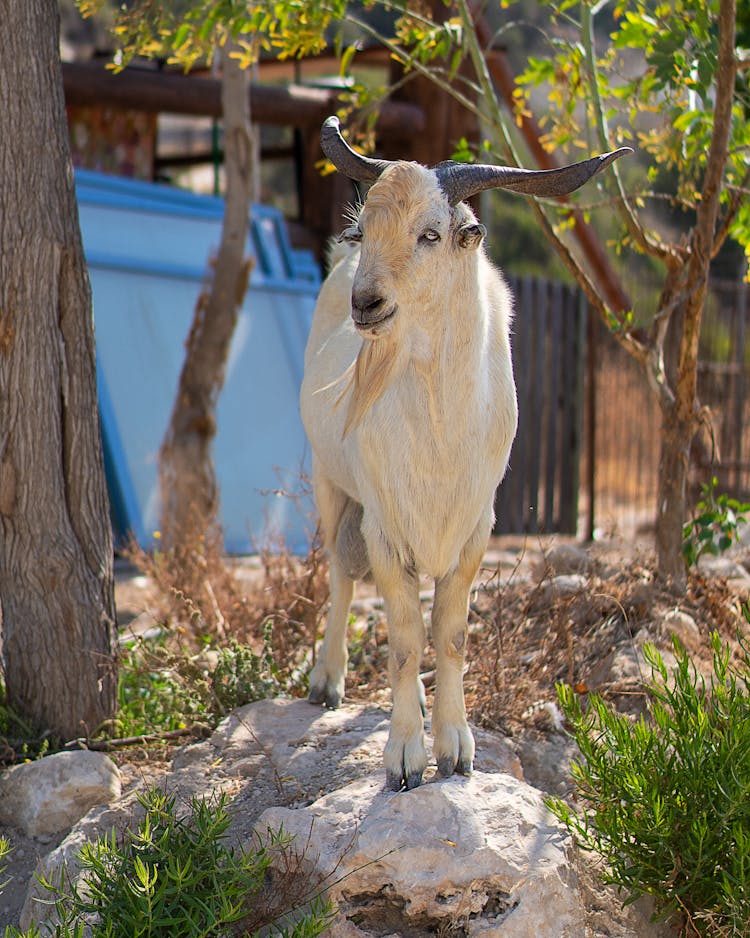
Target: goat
x=409 y=404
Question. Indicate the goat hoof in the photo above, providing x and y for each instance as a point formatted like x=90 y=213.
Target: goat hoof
x=322 y=695
x=396 y=781
x=414 y=780
x=446 y=766
x=465 y=766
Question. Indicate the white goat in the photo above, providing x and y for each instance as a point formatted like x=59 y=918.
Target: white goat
x=409 y=404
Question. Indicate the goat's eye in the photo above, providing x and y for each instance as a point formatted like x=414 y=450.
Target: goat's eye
x=430 y=236
x=352 y=233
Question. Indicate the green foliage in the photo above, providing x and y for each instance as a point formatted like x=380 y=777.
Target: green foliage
x=5 y=849
x=185 y=31
x=173 y=876
x=163 y=689
x=666 y=797
x=715 y=525
x=652 y=86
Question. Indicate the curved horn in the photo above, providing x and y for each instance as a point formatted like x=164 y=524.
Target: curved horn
x=348 y=161
x=459 y=181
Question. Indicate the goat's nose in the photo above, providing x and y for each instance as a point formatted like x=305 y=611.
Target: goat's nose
x=367 y=308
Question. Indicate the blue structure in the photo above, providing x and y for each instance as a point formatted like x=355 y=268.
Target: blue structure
x=147 y=248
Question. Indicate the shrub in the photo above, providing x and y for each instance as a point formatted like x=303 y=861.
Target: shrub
x=173 y=877
x=164 y=688
x=715 y=526
x=666 y=797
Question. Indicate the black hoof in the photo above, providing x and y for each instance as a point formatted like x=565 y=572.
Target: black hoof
x=321 y=695
x=414 y=780
x=394 y=781
x=446 y=766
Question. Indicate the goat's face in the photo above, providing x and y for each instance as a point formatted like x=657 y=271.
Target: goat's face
x=412 y=241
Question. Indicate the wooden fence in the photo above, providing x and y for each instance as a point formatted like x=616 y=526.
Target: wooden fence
x=540 y=489
x=586 y=455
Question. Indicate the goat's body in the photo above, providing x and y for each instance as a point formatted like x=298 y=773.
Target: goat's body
x=412 y=462
x=422 y=458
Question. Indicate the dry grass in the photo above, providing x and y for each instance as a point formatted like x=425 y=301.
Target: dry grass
x=526 y=639
x=202 y=598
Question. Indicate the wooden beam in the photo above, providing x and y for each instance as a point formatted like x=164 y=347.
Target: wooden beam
x=140 y=89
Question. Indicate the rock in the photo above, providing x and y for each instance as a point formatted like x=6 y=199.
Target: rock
x=546 y=758
x=480 y=852
x=53 y=793
x=684 y=628
x=565 y=559
x=737 y=577
x=560 y=586
x=269 y=752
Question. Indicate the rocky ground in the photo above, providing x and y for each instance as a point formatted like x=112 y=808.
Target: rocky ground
x=542 y=612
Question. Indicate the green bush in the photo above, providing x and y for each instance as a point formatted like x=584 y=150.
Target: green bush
x=173 y=877
x=715 y=526
x=666 y=797
x=163 y=688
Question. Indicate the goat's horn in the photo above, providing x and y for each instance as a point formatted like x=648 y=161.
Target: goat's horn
x=460 y=181
x=348 y=161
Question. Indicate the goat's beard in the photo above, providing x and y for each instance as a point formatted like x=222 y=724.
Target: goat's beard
x=367 y=378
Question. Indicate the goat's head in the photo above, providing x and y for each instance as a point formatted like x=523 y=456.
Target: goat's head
x=414 y=218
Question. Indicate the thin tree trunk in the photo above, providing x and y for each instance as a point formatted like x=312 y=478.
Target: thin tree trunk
x=680 y=416
x=188 y=484
x=56 y=574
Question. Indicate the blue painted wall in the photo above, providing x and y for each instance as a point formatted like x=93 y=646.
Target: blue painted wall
x=147 y=248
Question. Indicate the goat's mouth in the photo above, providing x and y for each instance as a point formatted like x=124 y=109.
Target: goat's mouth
x=371 y=329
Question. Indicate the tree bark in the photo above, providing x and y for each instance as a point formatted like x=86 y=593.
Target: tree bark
x=56 y=570
x=187 y=480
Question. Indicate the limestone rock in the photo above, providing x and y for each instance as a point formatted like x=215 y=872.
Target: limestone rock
x=566 y=559
x=558 y=587
x=52 y=794
x=684 y=628
x=736 y=575
x=482 y=852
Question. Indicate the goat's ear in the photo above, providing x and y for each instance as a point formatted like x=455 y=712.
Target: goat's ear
x=470 y=236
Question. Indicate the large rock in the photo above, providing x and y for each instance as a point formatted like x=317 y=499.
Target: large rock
x=481 y=852
x=267 y=753
x=52 y=794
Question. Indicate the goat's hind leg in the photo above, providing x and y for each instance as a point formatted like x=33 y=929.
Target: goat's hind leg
x=453 y=741
x=328 y=675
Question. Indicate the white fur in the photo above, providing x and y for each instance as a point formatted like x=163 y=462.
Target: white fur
x=425 y=457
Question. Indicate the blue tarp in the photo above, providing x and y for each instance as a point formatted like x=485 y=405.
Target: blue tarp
x=147 y=248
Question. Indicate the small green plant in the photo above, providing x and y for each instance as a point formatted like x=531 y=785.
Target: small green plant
x=666 y=797
x=715 y=526
x=165 y=688
x=242 y=675
x=5 y=849
x=173 y=877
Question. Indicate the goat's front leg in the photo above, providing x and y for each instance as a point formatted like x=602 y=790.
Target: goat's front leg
x=405 y=754
x=453 y=742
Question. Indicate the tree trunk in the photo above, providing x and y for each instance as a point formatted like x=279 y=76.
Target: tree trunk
x=671 y=497
x=56 y=573
x=188 y=484
x=680 y=418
